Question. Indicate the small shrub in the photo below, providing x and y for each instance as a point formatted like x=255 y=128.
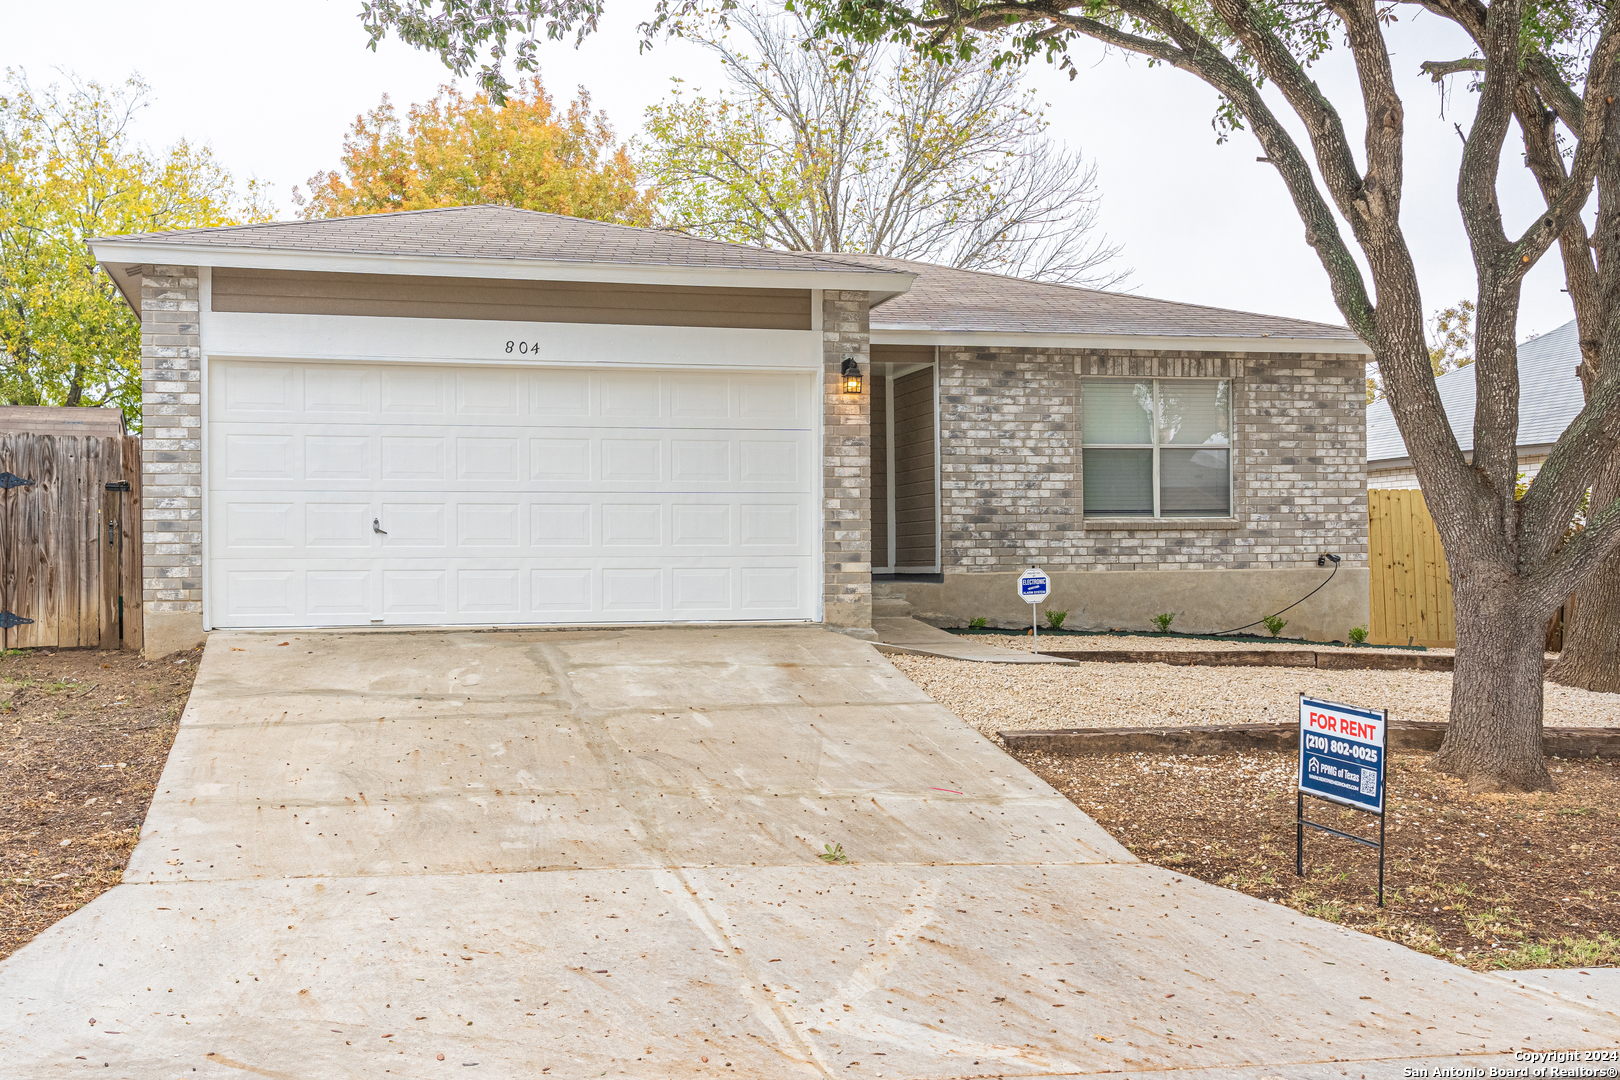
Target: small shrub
x=1275 y=624
x=1054 y=619
x=1358 y=635
x=1163 y=621
x=978 y=624
x=833 y=854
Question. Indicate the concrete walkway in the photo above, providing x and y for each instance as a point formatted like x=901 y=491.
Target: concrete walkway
x=596 y=853
x=919 y=639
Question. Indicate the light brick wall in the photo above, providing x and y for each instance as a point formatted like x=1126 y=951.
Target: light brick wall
x=171 y=446
x=1011 y=462
x=846 y=464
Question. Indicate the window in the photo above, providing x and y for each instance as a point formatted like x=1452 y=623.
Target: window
x=1157 y=447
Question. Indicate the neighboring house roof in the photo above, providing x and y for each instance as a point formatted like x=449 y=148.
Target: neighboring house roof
x=951 y=300
x=1550 y=397
x=61 y=420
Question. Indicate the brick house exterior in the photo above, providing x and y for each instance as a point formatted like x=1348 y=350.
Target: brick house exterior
x=1010 y=423
x=279 y=491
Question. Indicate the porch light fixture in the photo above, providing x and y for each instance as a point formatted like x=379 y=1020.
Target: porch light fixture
x=852 y=376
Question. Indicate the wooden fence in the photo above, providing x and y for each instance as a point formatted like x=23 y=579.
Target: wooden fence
x=1411 y=584
x=70 y=541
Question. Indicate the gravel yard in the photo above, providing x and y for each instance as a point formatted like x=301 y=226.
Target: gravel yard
x=1170 y=643
x=995 y=697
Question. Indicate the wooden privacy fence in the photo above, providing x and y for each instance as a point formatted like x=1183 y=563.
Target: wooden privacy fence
x=70 y=542
x=1411 y=584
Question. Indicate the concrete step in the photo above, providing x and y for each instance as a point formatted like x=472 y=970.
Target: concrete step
x=891 y=607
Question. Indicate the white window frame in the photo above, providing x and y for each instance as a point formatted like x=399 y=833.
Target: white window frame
x=1157 y=445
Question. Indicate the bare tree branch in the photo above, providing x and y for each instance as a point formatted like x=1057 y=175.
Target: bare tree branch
x=1437 y=70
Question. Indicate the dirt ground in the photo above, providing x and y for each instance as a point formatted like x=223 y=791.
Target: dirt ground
x=1486 y=881
x=85 y=737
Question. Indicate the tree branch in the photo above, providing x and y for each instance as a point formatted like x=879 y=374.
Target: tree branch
x=1437 y=70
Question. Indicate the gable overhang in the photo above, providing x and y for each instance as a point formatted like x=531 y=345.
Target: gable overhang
x=1523 y=450
x=123 y=260
x=896 y=335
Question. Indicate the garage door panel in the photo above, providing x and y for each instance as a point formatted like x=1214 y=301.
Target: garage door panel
x=494 y=593
x=632 y=524
x=413 y=525
x=340 y=393
x=561 y=460
x=632 y=461
x=255 y=391
x=261 y=526
x=415 y=592
x=339 y=593
x=701 y=590
x=561 y=591
x=774 y=400
x=337 y=525
x=508 y=496
x=489 y=459
x=338 y=457
x=699 y=397
x=262 y=457
x=700 y=461
x=414 y=457
x=487 y=525
x=771 y=588
x=481 y=392
x=320 y=525
x=700 y=525
x=630 y=396
x=558 y=394
x=412 y=391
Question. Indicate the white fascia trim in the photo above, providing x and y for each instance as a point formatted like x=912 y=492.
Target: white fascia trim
x=372 y=338
x=114 y=252
x=895 y=335
x=1524 y=450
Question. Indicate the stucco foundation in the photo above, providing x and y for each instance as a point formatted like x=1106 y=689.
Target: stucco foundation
x=171 y=632
x=1204 y=601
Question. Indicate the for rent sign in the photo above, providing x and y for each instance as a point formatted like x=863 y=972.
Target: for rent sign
x=1341 y=753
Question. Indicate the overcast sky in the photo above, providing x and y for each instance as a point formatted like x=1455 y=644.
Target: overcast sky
x=272 y=87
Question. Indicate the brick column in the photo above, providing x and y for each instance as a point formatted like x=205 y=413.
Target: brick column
x=171 y=459
x=847 y=467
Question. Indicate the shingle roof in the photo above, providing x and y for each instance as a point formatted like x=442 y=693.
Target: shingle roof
x=943 y=298
x=1550 y=397
x=493 y=232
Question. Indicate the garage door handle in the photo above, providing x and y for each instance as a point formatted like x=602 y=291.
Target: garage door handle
x=376 y=527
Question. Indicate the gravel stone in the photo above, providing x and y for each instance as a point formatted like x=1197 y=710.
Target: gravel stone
x=995 y=697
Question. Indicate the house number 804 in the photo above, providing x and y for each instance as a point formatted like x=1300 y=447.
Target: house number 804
x=522 y=348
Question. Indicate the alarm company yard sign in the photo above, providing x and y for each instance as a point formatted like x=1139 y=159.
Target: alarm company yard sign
x=1342 y=755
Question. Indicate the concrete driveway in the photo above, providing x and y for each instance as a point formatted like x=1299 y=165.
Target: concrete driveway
x=574 y=854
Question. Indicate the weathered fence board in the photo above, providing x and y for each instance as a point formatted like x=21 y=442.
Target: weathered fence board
x=69 y=548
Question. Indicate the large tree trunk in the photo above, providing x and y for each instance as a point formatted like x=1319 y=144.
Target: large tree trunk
x=1494 y=737
x=1591 y=655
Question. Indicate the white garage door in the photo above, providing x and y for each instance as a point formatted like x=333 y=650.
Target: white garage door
x=395 y=493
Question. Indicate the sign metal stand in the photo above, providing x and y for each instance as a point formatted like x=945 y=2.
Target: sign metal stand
x=1033 y=587
x=1343 y=756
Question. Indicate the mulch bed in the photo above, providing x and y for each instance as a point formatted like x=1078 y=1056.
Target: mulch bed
x=85 y=734
x=1486 y=881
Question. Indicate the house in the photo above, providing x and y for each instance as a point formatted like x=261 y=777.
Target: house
x=1550 y=397
x=61 y=420
x=488 y=416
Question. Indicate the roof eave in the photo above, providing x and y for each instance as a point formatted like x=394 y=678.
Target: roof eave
x=912 y=335
x=115 y=252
